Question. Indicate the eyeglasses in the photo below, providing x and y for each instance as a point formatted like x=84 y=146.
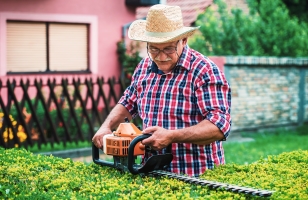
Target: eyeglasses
x=167 y=50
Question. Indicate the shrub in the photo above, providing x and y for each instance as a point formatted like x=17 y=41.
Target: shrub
x=267 y=31
x=129 y=58
x=27 y=176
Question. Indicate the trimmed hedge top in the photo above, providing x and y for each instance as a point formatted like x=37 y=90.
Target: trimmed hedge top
x=27 y=176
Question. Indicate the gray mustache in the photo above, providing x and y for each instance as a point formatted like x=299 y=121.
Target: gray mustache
x=157 y=59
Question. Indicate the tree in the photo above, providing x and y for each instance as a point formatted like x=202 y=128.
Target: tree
x=298 y=8
x=267 y=31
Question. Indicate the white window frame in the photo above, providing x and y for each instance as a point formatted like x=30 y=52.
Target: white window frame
x=85 y=19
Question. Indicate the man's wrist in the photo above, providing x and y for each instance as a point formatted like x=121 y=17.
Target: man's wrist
x=172 y=136
x=105 y=130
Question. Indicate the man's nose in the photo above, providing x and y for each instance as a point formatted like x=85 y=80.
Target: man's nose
x=161 y=55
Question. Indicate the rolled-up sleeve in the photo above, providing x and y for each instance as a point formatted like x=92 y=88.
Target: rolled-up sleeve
x=128 y=100
x=214 y=99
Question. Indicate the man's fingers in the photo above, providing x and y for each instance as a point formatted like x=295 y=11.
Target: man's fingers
x=145 y=141
x=150 y=129
x=96 y=141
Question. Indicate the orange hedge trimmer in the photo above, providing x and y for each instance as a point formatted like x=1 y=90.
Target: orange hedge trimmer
x=125 y=144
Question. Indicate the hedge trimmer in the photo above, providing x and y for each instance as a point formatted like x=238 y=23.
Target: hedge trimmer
x=124 y=145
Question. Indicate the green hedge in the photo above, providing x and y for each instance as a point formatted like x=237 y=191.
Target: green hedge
x=27 y=176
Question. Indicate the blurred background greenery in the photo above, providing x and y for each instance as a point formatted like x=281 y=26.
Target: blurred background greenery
x=271 y=28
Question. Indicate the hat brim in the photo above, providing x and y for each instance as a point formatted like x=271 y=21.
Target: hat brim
x=137 y=31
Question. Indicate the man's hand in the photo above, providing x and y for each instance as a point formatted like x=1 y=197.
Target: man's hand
x=98 y=137
x=160 y=138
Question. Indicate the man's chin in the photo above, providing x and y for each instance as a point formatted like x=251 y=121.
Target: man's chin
x=162 y=64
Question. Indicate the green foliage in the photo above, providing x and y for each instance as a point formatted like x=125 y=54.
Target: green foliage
x=73 y=129
x=39 y=110
x=284 y=173
x=267 y=31
x=264 y=144
x=129 y=58
x=27 y=176
x=298 y=8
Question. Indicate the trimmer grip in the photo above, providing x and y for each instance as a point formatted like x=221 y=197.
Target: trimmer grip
x=131 y=157
x=155 y=162
x=97 y=160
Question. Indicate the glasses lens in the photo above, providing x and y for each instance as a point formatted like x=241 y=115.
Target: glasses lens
x=169 y=50
x=153 y=50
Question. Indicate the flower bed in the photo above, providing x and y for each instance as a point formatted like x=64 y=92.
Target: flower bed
x=8 y=132
x=27 y=176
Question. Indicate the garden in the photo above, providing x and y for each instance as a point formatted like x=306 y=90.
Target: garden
x=275 y=161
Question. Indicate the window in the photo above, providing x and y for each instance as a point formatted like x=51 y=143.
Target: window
x=47 y=47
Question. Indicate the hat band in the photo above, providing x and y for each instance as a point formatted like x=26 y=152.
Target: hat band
x=164 y=34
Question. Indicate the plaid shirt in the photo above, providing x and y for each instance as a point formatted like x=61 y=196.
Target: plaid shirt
x=195 y=90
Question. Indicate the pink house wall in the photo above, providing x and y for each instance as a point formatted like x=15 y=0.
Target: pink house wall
x=106 y=19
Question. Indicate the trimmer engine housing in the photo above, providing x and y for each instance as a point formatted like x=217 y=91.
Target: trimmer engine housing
x=124 y=145
x=117 y=144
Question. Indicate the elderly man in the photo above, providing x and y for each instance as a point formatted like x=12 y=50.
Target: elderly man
x=181 y=95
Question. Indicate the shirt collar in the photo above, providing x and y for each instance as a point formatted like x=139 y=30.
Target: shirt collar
x=184 y=60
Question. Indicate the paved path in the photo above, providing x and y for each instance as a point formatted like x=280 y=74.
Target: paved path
x=85 y=159
x=238 y=138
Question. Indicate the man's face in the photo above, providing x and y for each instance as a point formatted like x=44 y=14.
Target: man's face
x=166 y=55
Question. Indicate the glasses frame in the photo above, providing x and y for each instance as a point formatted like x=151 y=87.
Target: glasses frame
x=163 y=50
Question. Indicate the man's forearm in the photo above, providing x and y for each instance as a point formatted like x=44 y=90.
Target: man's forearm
x=203 y=133
x=116 y=116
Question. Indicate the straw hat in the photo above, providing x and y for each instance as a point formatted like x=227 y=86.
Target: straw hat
x=163 y=24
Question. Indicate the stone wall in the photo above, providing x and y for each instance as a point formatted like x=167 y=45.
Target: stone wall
x=267 y=92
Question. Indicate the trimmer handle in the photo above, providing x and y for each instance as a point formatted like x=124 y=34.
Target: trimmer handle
x=131 y=156
x=97 y=160
x=155 y=162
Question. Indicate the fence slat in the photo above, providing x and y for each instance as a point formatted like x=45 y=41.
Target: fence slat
x=71 y=107
x=102 y=93
x=38 y=85
x=111 y=82
x=4 y=119
x=20 y=116
x=94 y=104
x=78 y=95
x=33 y=113
x=60 y=115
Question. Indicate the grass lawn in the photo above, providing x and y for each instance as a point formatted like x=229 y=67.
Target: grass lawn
x=60 y=146
x=265 y=144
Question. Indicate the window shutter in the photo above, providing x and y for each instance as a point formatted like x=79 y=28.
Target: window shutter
x=68 y=47
x=26 y=47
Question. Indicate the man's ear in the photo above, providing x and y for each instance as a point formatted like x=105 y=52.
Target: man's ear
x=184 y=40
